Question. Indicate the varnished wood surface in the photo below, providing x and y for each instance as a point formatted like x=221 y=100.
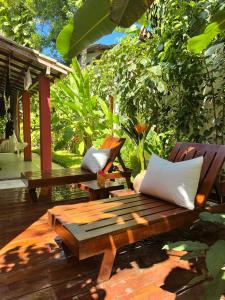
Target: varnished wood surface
x=66 y=176
x=34 y=266
x=107 y=216
x=120 y=193
x=106 y=225
x=93 y=185
x=56 y=177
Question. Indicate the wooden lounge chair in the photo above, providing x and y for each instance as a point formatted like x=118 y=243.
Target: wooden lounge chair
x=35 y=180
x=104 y=226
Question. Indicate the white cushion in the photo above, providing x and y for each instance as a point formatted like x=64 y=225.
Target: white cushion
x=138 y=180
x=174 y=182
x=95 y=159
x=7 y=146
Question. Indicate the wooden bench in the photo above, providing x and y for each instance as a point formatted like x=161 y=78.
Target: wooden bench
x=34 y=180
x=104 y=226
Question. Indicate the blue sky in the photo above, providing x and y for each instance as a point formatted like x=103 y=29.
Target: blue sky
x=110 y=38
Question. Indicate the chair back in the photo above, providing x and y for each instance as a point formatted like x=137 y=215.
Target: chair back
x=115 y=144
x=214 y=157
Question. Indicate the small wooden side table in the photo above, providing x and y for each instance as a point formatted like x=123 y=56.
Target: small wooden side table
x=96 y=192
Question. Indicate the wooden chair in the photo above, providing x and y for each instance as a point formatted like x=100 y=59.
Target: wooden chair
x=104 y=226
x=40 y=179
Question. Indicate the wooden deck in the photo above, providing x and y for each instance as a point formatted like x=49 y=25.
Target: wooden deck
x=34 y=266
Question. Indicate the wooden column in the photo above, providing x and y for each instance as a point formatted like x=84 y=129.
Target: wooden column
x=18 y=117
x=26 y=126
x=45 y=123
x=223 y=185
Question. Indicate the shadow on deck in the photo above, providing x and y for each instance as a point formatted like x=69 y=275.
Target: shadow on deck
x=34 y=265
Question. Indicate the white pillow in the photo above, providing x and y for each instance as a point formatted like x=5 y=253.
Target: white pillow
x=95 y=159
x=138 y=180
x=174 y=182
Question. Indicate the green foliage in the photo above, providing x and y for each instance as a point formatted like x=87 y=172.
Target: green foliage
x=17 y=22
x=214 y=218
x=79 y=116
x=64 y=158
x=216 y=287
x=126 y=12
x=26 y=21
x=87 y=27
x=180 y=94
x=200 y=42
x=186 y=246
x=214 y=257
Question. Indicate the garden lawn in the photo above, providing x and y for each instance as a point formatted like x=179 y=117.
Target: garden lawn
x=64 y=158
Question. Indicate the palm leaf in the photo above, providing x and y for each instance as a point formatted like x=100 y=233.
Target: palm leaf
x=126 y=12
x=90 y=23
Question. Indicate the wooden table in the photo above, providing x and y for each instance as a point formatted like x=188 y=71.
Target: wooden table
x=34 y=180
x=97 y=192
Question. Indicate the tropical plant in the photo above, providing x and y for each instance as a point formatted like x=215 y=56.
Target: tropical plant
x=216 y=26
x=137 y=130
x=17 y=22
x=36 y=23
x=214 y=255
x=80 y=115
x=178 y=92
x=86 y=27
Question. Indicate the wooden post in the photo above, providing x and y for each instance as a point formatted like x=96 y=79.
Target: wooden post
x=18 y=118
x=26 y=126
x=222 y=187
x=45 y=123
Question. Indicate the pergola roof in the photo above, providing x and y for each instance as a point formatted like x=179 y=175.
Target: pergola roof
x=20 y=58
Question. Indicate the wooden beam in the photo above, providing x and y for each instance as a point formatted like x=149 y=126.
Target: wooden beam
x=35 y=56
x=45 y=123
x=26 y=126
x=14 y=65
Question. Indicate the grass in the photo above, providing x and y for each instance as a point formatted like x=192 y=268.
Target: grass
x=64 y=158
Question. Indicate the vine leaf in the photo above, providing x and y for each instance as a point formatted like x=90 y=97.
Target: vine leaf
x=215 y=258
x=215 y=288
x=186 y=246
x=200 y=42
x=214 y=218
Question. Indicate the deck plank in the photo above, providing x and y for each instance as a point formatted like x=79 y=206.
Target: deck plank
x=34 y=266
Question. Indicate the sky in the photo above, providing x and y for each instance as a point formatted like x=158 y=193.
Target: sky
x=109 y=39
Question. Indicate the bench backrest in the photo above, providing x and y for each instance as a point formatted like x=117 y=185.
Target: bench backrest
x=214 y=157
x=115 y=144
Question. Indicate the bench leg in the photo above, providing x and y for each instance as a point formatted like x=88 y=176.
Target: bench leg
x=93 y=195
x=129 y=183
x=33 y=194
x=106 y=265
x=45 y=193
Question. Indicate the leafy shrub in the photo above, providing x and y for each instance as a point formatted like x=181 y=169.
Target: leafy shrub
x=214 y=257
